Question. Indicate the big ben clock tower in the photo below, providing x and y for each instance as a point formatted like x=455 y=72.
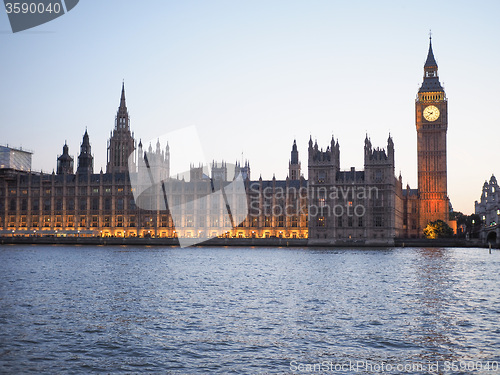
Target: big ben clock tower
x=431 y=110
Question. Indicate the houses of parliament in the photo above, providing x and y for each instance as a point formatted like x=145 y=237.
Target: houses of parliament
x=332 y=206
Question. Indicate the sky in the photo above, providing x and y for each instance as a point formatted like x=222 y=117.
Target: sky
x=252 y=76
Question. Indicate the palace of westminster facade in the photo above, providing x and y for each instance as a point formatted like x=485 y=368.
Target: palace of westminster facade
x=332 y=205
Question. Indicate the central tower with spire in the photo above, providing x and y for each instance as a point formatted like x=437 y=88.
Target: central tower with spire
x=431 y=111
x=121 y=143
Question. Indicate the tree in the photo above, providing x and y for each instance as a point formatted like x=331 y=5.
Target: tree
x=467 y=224
x=438 y=229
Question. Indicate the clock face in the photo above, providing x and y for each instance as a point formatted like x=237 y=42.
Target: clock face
x=431 y=113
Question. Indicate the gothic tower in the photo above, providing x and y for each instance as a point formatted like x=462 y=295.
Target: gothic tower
x=431 y=110
x=121 y=143
x=323 y=165
x=219 y=173
x=243 y=170
x=65 y=162
x=85 y=159
x=380 y=217
x=323 y=168
x=294 y=164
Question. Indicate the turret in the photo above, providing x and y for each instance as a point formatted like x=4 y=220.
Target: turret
x=85 y=159
x=65 y=161
x=294 y=164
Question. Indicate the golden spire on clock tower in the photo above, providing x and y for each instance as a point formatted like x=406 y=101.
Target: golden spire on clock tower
x=431 y=88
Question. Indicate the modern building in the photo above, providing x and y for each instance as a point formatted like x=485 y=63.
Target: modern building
x=15 y=159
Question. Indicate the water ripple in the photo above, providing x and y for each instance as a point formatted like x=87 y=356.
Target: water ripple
x=241 y=310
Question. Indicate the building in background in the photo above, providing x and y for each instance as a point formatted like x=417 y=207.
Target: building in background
x=488 y=210
x=15 y=159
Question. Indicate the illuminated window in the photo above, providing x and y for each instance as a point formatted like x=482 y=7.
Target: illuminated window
x=255 y=222
x=321 y=221
x=267 y=221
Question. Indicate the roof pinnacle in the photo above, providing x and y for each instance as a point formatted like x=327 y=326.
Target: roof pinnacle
x=122 y=99
x=431 y=61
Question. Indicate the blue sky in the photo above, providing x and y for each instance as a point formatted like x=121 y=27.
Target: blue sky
x=254 y=75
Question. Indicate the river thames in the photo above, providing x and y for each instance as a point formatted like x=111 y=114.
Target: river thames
x=236 y=310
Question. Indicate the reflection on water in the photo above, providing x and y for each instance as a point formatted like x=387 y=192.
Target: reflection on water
x=433 y=326
x=242 y=310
